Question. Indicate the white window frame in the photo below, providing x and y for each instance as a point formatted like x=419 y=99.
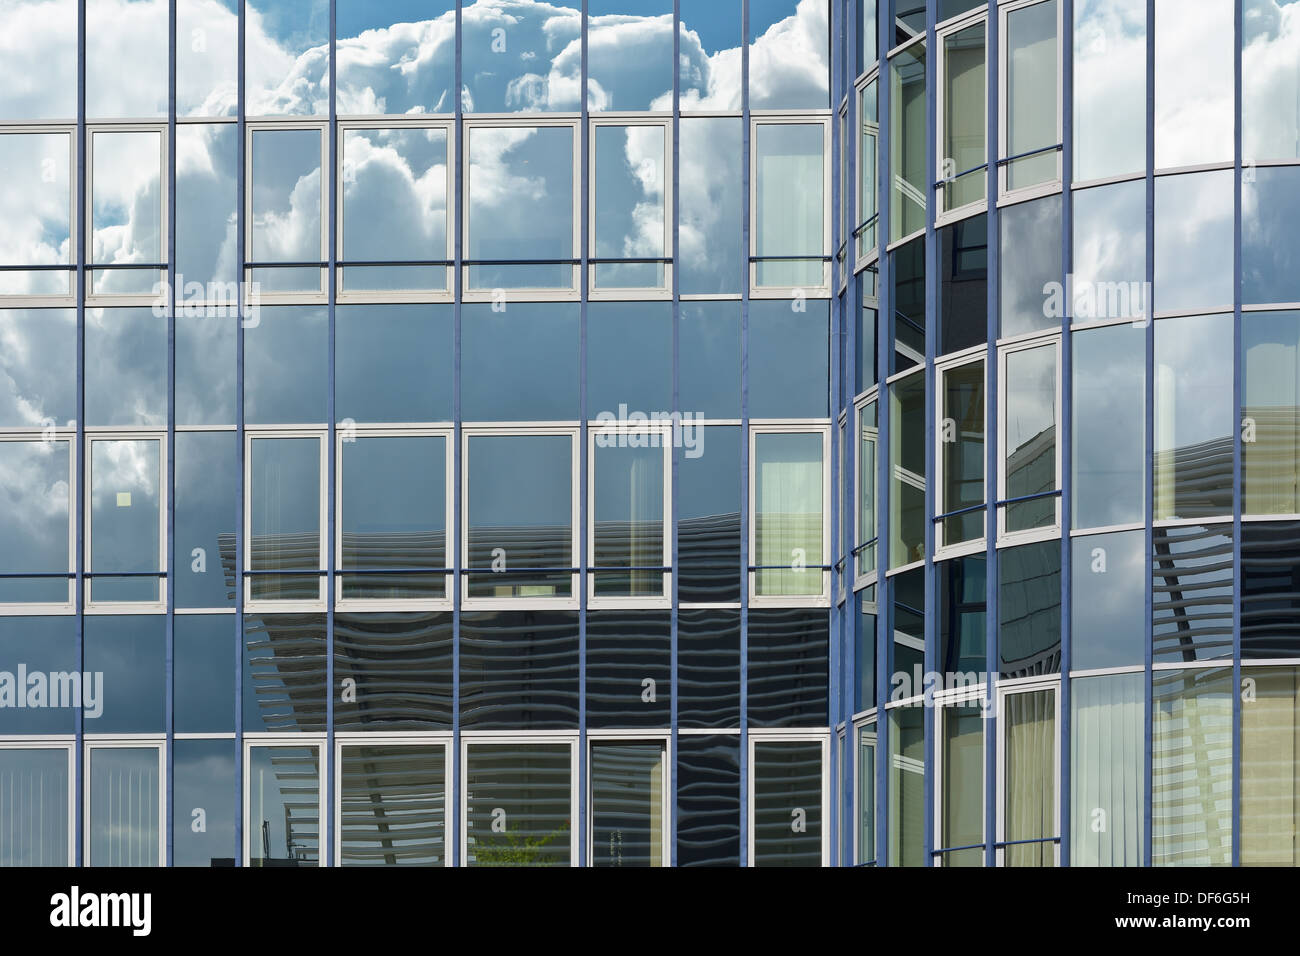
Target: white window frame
x=823 y=290
x=861 y=733
x=842 y=559
x=943 y=704
x=942 y=549
x=403 y=295
x=66 y=744
x=69 y=299
x=891 y=243
x=68 y=606
x=517 y=739
x=253 y=294
x=664 y=292
x=861 y=580
x=1006 y=538
x=93 y=606
x=843 y=244
x=863 y=257
x=766 y=736
x=530 y=121
x=265 y=606
x=155 y=298
x=942 y=215
x=781 y=427
x=441 y=741
x=664 y=739
x=1007 y=196
x=663 y=434
x=522 y=430
x=349 y=436
x=897 y=473
x=273 y=741
x=144 y=742
x=1021 y=687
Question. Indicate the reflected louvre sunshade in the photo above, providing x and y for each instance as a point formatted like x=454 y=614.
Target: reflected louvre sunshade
x=627 y=804
x=787 y=803
x=283 y=825
x=518 y=804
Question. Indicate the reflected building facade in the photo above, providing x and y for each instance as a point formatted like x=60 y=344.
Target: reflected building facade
x=649 y=432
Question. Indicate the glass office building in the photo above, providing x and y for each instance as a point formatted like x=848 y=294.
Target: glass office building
x=441 y=433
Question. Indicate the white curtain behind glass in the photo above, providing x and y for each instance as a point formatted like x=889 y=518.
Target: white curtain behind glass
x=1106 y=734
x=789 y=514
x=790 y=204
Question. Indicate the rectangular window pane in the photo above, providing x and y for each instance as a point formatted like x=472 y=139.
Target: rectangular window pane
x=1108 y=600
x=43 y=35
x=35 y=521
x=35 y=201
x=1194 y=81
x=1270 y=592
x=126 y=210
x=1030 y=260
x=1029 y=786
x=1110 y=254
x=1110 y=78
x=518 y=804
x=202 y=773
x=963 y=125
x=627 y=804
x=711 y=247
x=206 y=505
x=1030 y=466
x=909 y=142
x=1270 y=254
x=392 y=806
x=629 y=206
x=285 y=673
x=1270 y=79
x=708 y=800
x=1193 y=268
x=1270 y=343
x=709 y=522
x=283 y=823
x=207 y=58
x=868 y=456
x=286 y=198
x=787 y=803
x=520 y=207
x=1029 y=606
x=628 y=516
x=394 y=59
x=125 y=519
x=1270 y=783
x=393 y=491
x=285 y=521
x=1193 y=417
x=964 y=284
x=34 y=809
x=788 y=515
x=962 y=771
x=963 y=617
x=1032 y=101
x=126 y=59
x=520 y=515
x=1106 y=744
x=124 y=807
x=789 y=227
x=1191 y=768
x=1192 y=593
x=207 y=227
x=907 y=471
x=907 y=786
x=961 y=436
x=395 y=208
x=519 y=670
x=866 y=793
x=868 y=170
x=292 y=76
x=1109 y=430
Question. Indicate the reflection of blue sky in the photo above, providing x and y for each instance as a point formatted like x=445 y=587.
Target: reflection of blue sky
x=1193 y=223
x=43 y=644
x=520 y=481
x=204 y=674
x=629 y=357
x=201 y=774
x=124 y=513
x=533 y=346
x=1193 y=380
x=715 y=23
x=399 y=178
x=127 y=382
x=1270 y=64
x=286 y=193
x=408 y=348
x=1107 y=616
x=629 y=204
x=206 y=471
x=34 y=516
x=1270 y=342
x=207 y=164
x=1031 y=257
x=1109 y=78
x=37 y=382
x=130 y=651
x=35 y=189
x=124 y=832
x=1110 y=235
x=1109 y=435
x=394 y=484
x=710 y=358
x=35 y=813
x=285 y=358
x=1270 y=248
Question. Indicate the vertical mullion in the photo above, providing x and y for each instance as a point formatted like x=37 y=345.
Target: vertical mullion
x=584 y=205
x=932 y=60
x=849 y=304
x=79 y=455
x=1066 y=430
x=326 y=837
x=746 y=517
x=835 y=545
x=992 y=430
x=241 y=188
x=1148 y=486
x=671 y=529
x=169 y=289
x=884 y=414
x=457 y=143
x=1237 y=398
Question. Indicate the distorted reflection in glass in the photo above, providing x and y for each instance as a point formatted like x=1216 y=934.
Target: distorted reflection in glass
x=1193 y=593
x=789 y=218
x=285 y=212
x=1030 y=257
x=787 y=803
x=1270 y=251
x=284 y=518
x=283 y=822
x=125 y=806
x=630 y=206
x=520 y=207
x=1270 y=80
x=789 y=55
x=394 y=59
x=709 y=58
x=35 y=511
x=286 y=60
x=1029 y=439
x=1193 y=417
x=1193 y=224
x=909 y=141
x=1029 y=610
x=126 y=59
x=207 y=57
x=124 y=522
x=285 y=681
x=520 y=56
x=392 y=806
x=36 y=207
x=1270 y=346
x=1110 y=253
x=1194 y=82
x=126 y=210
x=628 y=822
x=393 y=493
x=1110 y=77
x=963 y=284
x=395 y=207
x=518 y=804
x=1109 y=427
x=708 y=518
x=1108 y=607
x=629 y=55
x=35 y=814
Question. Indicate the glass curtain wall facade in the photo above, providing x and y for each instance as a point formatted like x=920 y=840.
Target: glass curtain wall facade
x=452 y=434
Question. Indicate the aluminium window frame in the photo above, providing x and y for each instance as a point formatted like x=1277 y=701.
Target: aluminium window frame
x=761 y=118
x=316 y=741
x=156 y=298
x=1006 y=539
x=523 y=430
x=664 y=435
x=254 y=433
x=820 y=736
x=636 y=293
x=441 y=740
x=664 y=738
x=349 y=436
x=253 y=294
x=944 y=702
x=1004 y=690
x=866 y=729
x=90 y=743
x=66 y=743
x=67 y=435
x=897 y=116
x=943 y=549
x=1007 y=196
x=840 y=554
x=68 y=299
x=517 y=738
x=863 y=255
x=942 y=215
x=863 y=579
x=93 y=435
x=758 y=427
x=412 y=294
x=471 y=122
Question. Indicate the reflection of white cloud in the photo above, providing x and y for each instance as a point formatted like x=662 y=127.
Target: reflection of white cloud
x=1109 y=58
x=36 y=208
x=398 y=203
x=34 y=494
x=1271 y=81
x=1194 y=83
